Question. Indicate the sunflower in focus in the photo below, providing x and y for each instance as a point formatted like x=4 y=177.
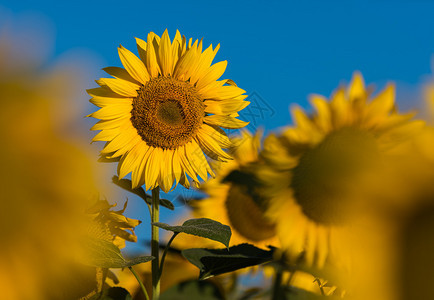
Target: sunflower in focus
x=236 y=202
x=322 y=170
x=162 y=112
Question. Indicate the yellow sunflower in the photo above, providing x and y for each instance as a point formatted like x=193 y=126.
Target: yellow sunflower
x=236 y=203
x=322 y=170
x=162 y=112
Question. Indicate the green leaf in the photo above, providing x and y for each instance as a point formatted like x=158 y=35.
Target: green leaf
x=202 y=227
x=213 y=262
x=127 y=185
x=193 y=290
x=114 y=293
x=104 y=254
x=137 y=260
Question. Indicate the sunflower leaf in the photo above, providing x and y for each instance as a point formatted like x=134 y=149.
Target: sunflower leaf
x=137 y=260
x=212 y=262
x=104 y=254
x=126 y=184
x=202 y=227
x=113 y=293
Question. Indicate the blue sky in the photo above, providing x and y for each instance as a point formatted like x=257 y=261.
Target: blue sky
x=280 y=51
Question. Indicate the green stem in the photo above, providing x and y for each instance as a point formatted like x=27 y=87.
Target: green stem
x=277 y=289
x=140 y=282
x=163 y=257
x=155 y=244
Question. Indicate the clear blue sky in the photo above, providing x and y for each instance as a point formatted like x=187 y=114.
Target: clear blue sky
x=282 y=51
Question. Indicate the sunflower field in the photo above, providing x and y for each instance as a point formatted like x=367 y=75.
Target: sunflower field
x=169 y=168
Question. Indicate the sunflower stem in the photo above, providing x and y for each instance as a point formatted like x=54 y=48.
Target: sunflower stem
x=277 y=289
x=155 y=248
x=140 y=282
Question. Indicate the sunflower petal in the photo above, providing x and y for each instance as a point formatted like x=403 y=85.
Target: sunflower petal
x=133 y=65
x=105 y=101
x=120 y=86
x=166 y=171
x=225 y=121
x=165 y=55
x=141 y=48
x=112 y=112
x=151 y=55
x=212 y=74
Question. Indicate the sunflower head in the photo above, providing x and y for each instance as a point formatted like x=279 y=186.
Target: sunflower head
x=327 y=165
x=164 y=110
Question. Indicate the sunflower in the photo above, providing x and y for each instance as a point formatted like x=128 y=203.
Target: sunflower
x=162 y=112
x=322 y=170
x=235 y=202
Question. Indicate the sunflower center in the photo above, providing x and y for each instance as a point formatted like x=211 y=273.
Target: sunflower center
x=167 y=112
x=246 y=216
x=325 y=181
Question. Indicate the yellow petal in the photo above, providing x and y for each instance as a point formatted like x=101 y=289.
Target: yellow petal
x=166 y=171
x=322 y=248
x=224 y=107
x=217 y=134
x=196 y=159
x=141 y=48
x=340 y=109
x=205 y=62
x=212 y=74
x=128 y=161
x=381 y=106
x=357 y=87
x=127 y=146
x=152 y=168
x=222 y=93
x=165 y=54
x=186 y=64
x=225 y=121
x=138 y=175
x=212 y=149
x=120 y=141
x=185 y=164
x=120 y=86
x=176 y=166
x=109 y=124
x=323 y=115
x=310 y=243
x=120 y=73
x=301 y=120
x=106 y=135
x=151 y=55
x=133 y=65
x=105 y=101
x=103 y=91
x=112 y=112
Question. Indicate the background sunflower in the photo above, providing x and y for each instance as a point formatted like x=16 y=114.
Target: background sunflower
x=324 y=170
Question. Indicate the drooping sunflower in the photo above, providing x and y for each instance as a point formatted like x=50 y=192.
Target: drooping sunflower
x=322 y=170
x=162 y=112
x=237 y=203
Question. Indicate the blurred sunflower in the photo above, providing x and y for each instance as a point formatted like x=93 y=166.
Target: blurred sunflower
x=324 y=168
x=110 y=225
x=164 y=110
x=236 y=202
x=47 y=184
